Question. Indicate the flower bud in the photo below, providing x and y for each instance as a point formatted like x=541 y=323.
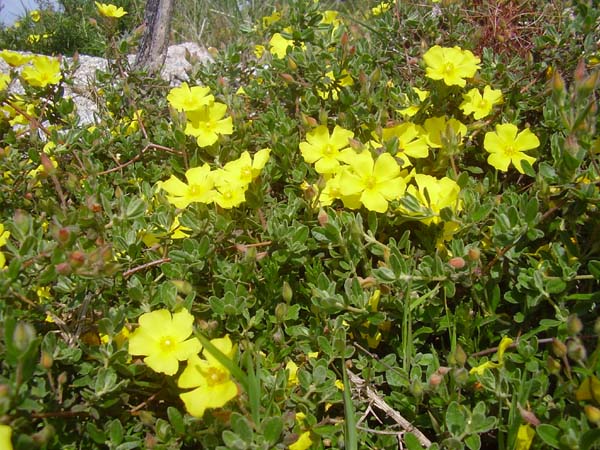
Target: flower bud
x=63 y=235
x=559 y=348
x=286 y=292
x=281 y=311
x=322 y=217
x=46 y=360
x=435 y=380
x=457 y=262
x=460 y=375
x=553 y=365
x=62 y=378
x=76 y=259
x=287 y=77
x=474 y=254
x=291 y=64
x=593 y=414
x=529 y=417
x=416 y=389
x=576 y=351
x=23 y=336
x=557 y=83
x=574 y=325
x=49 y=168
x=458 y=357
x=63 y=268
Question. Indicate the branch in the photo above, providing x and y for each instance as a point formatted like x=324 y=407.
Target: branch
x=392 y=413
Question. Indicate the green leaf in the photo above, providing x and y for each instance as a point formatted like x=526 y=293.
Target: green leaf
x=95 y=433
x=549 y=434
x=350 y=438
x=136 y=208
x=590 y=439
x=240 y=425
x=272 y=428
x=176 y=420
x=411 y=442
x=473 y=442
x=594 y=268
x=233 y=441
x=115 y=431
x=455 y=419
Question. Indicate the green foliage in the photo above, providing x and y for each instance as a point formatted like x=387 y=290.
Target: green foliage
x=410 y=300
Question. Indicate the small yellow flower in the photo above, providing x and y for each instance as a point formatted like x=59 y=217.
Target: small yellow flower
x=525 y=437
x=185 y=98
x=14 y=59
x=504 y=344
x=207 y=123
x=212 y=383
x=480 y=105
x=5 y=437
x=199 y=187
x=304 y=442
x=507 y=145
x=109 y=10
x=292 y=369
x=35 y=15
x=44 y=71
x=278 y=45
x=324 y=150
x=450 y=64
x=381 y=8
x=163 y=338
x=43 y=293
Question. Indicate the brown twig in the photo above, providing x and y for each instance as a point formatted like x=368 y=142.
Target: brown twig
x=376 y=400
x=130 y=272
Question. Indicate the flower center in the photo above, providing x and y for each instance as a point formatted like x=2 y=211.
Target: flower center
x=167 y=343
x=448 y=68
x=195 y=190
x=246 y=172
x=214 y=376
x=371 y=182
x=328 y=151
x=509 y=150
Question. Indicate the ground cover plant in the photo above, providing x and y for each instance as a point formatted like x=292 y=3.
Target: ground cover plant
x=357 y=227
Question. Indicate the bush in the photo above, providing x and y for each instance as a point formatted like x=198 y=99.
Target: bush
x=380 y=227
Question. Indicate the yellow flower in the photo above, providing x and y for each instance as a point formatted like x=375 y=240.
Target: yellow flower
x=268 y=20
x=435 y=194
x=163 y=339
x=381 y=8
x=324 y=150
x=119 y=339
x=14 y=59
x=450 y=64
x=5 y=437
x=411 y=143
x=330 y=17
x=377 y=182
x=229 y=190
x=177 y=230
x=303 y=442
x=414 y=108
x=332 y=191
x=184 y=98
x=207 y=123
x=525 y=437
x=504 y=344
x=199 y=187
x=506 y=145
x=259 y=50
x=4 y=235
x=44 y=71
x=278 y=45
x=440 y=131
x=109 y=10
x=334 y=84
x=246 y=169
x=480 y=105
x=211 y=380
x=35 y=15
x=339 y=384
x=292 y=369
x=4 y=81
x=43 y=293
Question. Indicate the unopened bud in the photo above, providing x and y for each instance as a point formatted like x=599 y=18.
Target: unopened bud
x=344 y=39
x=291 y=64
x=63 y=268
x=529 y=417
x=322 y=217
x=49 y=168
x=310 y=121
x=574 y=325
x=4 y=390
x=62 y=378
x=458 y=357
x=576 y=351
x=457 y=262
x=460 y=375
x=281 y=311
x=593 y=414
x=557 y=83
x=287 y=77
x=375 y=76
x=286 y=292
x=46 y=360
x=559 y=348
x=435 y=380
x=76 y=258
x=580 y=72
x=416 y=389
x=474 y=254
x=63 y=235
x=23 y=336
x=553 y=365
